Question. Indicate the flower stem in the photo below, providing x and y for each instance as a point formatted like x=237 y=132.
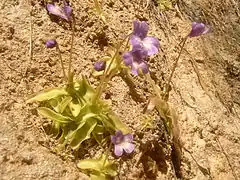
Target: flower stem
x=107 y=154
x=174 y=68
x=154 y=86
x=104 y=79
x=60 y=57
x=71 y=51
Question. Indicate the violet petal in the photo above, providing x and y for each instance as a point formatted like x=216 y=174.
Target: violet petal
x=151 y=44
x=127 y=58
x=118 y=150
x=128 y=147
x=136 y=67
x=139 y=53
x=140 y=29
x=114 y=140
x=198 y=29
x=57 y=11
x=68 y=11
x=135 y=41
x=128 y=138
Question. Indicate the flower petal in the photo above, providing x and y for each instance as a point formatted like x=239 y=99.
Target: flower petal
x=56 y=10
x=140 y=29
x=135 y=41
x=198 y=29
x=127 y=58
x=118 y=150
x=139 y=53
x=137 y=67
x=128 y=147
x=68 y=12
x=128 y=138
x=151 y=44
x=118 y=138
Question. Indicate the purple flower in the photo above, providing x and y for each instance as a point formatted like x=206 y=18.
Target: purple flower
x=198 y=29
x=51 y=43
x=136 y=60
x=139 y=37
x=100 y=65
x=64 y=12
x=122 y=143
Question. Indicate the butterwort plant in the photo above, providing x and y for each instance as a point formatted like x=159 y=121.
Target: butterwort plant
x=76 y=111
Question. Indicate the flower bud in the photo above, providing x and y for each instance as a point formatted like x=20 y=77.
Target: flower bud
x=198 y=29
x=100 y=65
x=51 y=43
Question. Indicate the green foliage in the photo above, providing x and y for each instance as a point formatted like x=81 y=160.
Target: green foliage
x=164 y=4
x=147 y=122
x=76 y=114
x=47 y=95
x=100 y=169
x=99 y=10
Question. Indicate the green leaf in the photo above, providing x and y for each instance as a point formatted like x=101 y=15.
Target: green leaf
x=98 y=176
x=62 y=106
x=90 y=164
x=99 y=129
x=99 y=166
x=112 y=122
x=84 y=90
x=54 y=104
x=75 y=108
x=50 y=114
x=47 y=95
x=83 y=133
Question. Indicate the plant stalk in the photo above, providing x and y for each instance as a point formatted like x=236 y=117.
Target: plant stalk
x=106 y=71
x=71 y=51
x=174 y=68
x=154 y=86
x=61 y=60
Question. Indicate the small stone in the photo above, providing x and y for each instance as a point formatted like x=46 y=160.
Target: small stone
x=27 y=158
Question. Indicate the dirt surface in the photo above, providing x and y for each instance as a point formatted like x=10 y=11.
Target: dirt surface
x=205 y=89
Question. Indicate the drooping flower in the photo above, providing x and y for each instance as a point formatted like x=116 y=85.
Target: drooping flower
x=122 y=143
x=64 y=12
x=136 y=60
x=51 y=43
x=139 y=37
x=100 y=65
x=198 y=29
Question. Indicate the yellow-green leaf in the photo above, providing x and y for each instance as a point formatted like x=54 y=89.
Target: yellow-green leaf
x=115 y=123
x=83 y=133
x=62 y=106
x=50 y=114
x=47 y=95
x=75 y=108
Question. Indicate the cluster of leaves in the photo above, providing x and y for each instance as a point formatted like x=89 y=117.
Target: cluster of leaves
x=100 y=169
x=75 y=113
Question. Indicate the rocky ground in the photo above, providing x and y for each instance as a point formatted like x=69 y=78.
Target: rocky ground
x=205 y=89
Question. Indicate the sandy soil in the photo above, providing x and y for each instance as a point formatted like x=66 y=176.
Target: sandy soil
x=205 y=91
